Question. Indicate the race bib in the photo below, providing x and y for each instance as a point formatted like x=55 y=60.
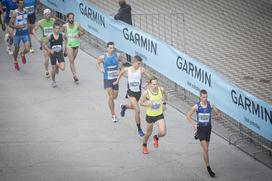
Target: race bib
x=30 y=9
x=57 y=48
x=73 y=36
x=156 y=106
x=134 y=85
x=112 y=74
x=204 y=117
x=47 y=31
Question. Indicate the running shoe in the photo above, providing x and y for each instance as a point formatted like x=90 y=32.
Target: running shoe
x=31 y=50
x=16 y=66
x=141 y=133
x=156 y=142
x=10 y=52
x=145 y=150
x=76 y=79
x=47 y=75
x=114 y=119
x=122 y=110
x=54 y=84
x=23 y=58
x=212 y=174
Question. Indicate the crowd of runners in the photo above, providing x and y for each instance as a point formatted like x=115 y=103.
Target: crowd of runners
x=18 y=20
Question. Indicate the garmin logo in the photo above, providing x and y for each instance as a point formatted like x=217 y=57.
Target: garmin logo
x=194 y=71
x=92 y=14
x=140 y=41
x=251 y=106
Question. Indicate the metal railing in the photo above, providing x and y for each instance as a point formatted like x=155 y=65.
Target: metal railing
x=155 y=23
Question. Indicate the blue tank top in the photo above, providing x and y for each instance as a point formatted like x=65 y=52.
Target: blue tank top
x=204 y=114
x=30 y=6
x=10 y=6
x=110 y=66
x=21 y=19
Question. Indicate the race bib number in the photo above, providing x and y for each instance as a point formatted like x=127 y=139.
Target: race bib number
x=47 y=31
x=112 y=74
x=73 y=36
x=204 y=117
x=156 y=106
x=57 y=48
x=134 y=85
x=30 y=9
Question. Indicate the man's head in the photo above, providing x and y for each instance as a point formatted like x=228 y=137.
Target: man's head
x=110 y=47
x=56 y=28
x=203 y=96
x=122 y=3
x=47 y=14
x=136 y=62
x=153 y=83
x=20 y=4
x=71 y=17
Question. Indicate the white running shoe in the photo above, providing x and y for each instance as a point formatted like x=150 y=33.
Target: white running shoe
x=10 y=52
x=54 y=84
x=47 y=75
x=114 y=119
x=31 y=50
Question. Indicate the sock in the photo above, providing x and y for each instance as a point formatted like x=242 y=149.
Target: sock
x=139 y=127
x=144 y=144
x=156 y=137
x=212 y=174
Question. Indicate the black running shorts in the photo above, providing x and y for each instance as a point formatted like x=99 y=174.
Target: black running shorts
x=56 y=57
x=31 y=18
x=109 y=84
x=136 y=95
x=154 y=119
x=204 y=132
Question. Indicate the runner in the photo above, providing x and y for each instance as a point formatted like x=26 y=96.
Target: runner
x=134 y=74
x=154 y=99
x=46 y=26
x=2 y=23
x=72 y=31
x=10 y=5
x=18 y=22
x=203 y=128
x=54 y=45
x=30 y=6
x=110 y=68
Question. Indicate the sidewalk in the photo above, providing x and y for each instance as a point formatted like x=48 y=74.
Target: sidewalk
x=66 y=133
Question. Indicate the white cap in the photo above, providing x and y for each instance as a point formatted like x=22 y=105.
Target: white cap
x=46 y=11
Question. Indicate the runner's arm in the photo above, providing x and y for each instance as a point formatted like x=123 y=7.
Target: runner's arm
x=144 y=101
x=120 y=58
x=146 y=73
x=216 y=112
x=121 y=72
x=190 y=116
x=81 y=30
x=65 y=38
x=100 y=60
x=46 y=45
x=37 y=26
x=64 y=44
x=12 y=20
x=164 y=95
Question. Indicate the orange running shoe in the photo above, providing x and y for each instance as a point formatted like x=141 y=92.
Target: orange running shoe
x=145 y=150
x=156 y=142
